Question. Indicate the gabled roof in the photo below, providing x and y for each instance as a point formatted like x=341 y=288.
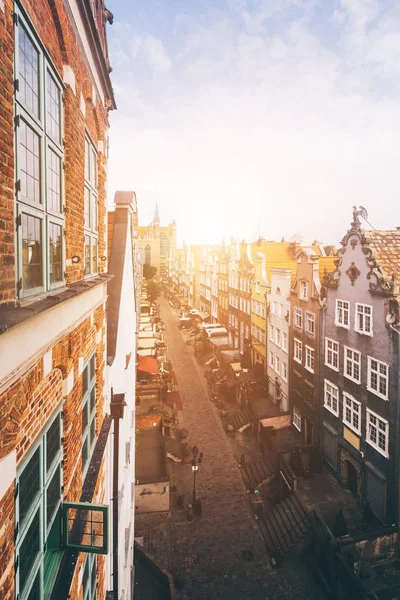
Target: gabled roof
x=326 y=265
x=385 y=245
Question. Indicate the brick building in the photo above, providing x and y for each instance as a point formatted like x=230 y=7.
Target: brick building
x=222 y=278
x=54 y=401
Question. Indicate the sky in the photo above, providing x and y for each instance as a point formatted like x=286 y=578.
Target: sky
x=257 y=117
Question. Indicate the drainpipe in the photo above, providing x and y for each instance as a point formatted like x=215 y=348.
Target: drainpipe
x=117 y=413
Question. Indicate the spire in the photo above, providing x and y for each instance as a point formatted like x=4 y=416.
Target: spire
x=156 y=220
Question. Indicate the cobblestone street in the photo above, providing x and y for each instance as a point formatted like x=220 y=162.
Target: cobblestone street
x=221 y=554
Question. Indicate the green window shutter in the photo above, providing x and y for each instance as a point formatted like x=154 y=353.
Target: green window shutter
x=86 y=527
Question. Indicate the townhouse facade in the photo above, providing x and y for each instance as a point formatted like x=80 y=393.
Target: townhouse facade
x=259 y=312
x=233 y=295
x=359 y=378
x=55 y=402
x=223 y=280
x=246 y=272
x=304 y=342
x=278 y=299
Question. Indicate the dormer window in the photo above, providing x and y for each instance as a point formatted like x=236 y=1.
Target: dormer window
x=303 y=290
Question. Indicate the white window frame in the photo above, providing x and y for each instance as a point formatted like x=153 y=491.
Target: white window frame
x=271 y=333
x=326 y=402
x=341 y=311
x=278 y=337
x=296 y=418
x=91 y=186
x=334 y=352
x=362 y=330
x=303 y=283
x=285 y=342
x=353 y=362
x=375 y=445
x=310 y=354
x=379 y=375
x=349 y=403
x=298 y=318
x=284 y=371
x=271 y=359
x=297 y=351
x=309 y=317
x=277 y=364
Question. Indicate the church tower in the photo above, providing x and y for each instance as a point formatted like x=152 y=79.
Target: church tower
x=156 y=222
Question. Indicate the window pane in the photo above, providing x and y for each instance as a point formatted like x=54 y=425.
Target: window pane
x=28 y=158
x=85 y=452
x=85 y=578
x=53 y=182
x=29 y=485
x=53 y=108
x=93 y=168
x=32 y=270
x=87 y=160
x=28 y=72
x=87 y=255
x=94 y=256
x=85 y=418
x=55 y=252
x=93 y=576
x=53 y=442
x=94 y=212
x=87 y=208
x=53 y=495
x=85 y=380
x=29 y=550
x=93 y=399
x=34 y=594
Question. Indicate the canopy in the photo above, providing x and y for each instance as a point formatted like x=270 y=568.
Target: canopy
x=148 y=365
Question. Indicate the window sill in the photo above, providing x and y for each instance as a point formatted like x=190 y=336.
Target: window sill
x=331 y=411
x=377 y=394
x=382 y=452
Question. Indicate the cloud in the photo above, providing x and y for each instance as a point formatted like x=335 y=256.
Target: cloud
x=259 y=119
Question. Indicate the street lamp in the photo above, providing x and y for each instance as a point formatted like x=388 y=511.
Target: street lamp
x=195 y=469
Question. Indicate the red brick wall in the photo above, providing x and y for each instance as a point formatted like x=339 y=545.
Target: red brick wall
x=7 y=273
x=7 y=526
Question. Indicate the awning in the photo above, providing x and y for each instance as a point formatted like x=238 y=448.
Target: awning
x=148 y=365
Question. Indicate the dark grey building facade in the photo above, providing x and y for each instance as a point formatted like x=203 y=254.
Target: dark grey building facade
x=359 y=389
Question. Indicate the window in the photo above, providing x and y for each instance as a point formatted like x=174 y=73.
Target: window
x=257 y=287
x=253 y=329
x=332 y=354
x=352 y=364
x=277 y=365
x=284 y=370
x=89 y=578
x=331 y=397
x=253 y=306
x=378 y=377
x=88 y=411
x=271 y=333
x=363 y=319
x=298 y=318
x=303 y=290
x=39 y=160
x=298 y=351
x=284 y=341
x=296 y=418
x=309 y=364
x=310 y=323
x=263 y=310
x=277 y=337
x=271 y=359
x=38 y=510
x=342 y=314
x=262 y=338
x=378 y=433
x=309 y=393
x=91 y=208
x=352 y=413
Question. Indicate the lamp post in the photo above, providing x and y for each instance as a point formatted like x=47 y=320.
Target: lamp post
x=195 y=469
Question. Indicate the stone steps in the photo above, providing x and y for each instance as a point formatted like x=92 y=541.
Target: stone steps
x=240 y=419
x=256 y=469
x=285 y=526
